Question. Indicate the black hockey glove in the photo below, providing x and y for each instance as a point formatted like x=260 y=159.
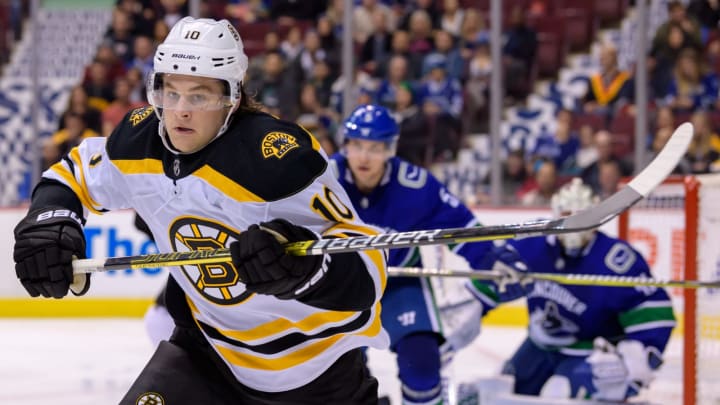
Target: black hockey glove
x=265 y=268
x=45 y=242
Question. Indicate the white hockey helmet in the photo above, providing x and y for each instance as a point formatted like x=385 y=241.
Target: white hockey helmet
x=571 y=198
x=200 y=47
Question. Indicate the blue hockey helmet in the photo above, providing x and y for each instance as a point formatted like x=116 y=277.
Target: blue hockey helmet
x=371 y=122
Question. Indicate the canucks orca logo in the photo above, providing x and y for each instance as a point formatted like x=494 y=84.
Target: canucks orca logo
x=278 y=144
x=549 y=327
x=217 y=282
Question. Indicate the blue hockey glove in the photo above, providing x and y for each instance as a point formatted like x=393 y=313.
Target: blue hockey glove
x=514 y=282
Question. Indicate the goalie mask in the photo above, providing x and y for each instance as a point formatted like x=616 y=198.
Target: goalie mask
x=204 y=48
x=571 y=198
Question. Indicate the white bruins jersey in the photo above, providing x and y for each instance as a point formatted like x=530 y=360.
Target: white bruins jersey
x=261 y=169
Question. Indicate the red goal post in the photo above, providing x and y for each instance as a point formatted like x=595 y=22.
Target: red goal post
x=695 y=255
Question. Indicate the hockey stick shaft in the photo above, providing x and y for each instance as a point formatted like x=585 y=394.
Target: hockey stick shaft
x=590 y=218
x=572 y=279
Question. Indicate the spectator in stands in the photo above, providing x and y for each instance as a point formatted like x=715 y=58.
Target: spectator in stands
x=137 y=86
x=518 y=51
x=106 y=55
x=276 y=90
x=365 y=20
x=677 y=16
x=609 y=175
x=568 y=144
x=98 y=88
x=610 y=88
x=78 y=104
x=397 y=76
x=317 y=119
x=664 y=118
x=703 y=154
x=311 y=53
x=322 y=80
x=472 y=29
x=405 y=109
x=401 y=46
x=692 y=87
x=160 y=32
x=427 y=6
x=141 y=13
x=546 y=184
x=604 y=147
x=59 y=144
x=452 y=17
x=420 y=31
x=292 y=45
x=445 y=45
x=377 y=47
x=587 y=153
x=288 y=12
x=329 y=42
x=662 y=135
x=143 y=50
x=663 y=56
x=443 y=91
x=257 y=63
x=477 y=88
x=120 y=35
x=514 y=176
x=115 y=112
x=334 y=14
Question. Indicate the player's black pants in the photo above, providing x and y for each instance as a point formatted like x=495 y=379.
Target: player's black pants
x=186 y=371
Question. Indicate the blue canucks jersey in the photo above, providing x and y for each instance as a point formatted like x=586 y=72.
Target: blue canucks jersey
x=569 y=317
x=409 y=198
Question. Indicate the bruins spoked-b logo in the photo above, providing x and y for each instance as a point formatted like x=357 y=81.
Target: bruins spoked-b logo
x=217 y=282
x=150 y=398
x=278 y=144
x=138 y=115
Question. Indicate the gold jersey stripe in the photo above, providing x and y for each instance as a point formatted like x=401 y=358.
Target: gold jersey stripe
x=314 y=142
x=71 y=182
x=140 y=166
x=75 y=155
x=227 y=186
x=297 y=357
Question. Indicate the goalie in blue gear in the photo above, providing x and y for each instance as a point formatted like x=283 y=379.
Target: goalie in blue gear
x=398 y=196
x=594 y=342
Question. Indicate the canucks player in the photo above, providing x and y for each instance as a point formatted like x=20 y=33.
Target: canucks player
x=587 y=341
x=398 y=196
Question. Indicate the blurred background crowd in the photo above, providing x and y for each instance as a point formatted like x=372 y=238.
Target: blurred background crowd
x=569 y=90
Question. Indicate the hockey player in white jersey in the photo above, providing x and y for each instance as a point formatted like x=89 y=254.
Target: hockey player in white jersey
x=587 y=341
x=393 y=194
x=206 y=170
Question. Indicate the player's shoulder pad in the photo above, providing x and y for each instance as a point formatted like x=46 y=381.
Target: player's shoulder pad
x=272 y=158
x=134 y=136
x=618 y=256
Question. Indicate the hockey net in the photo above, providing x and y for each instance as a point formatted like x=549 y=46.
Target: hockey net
x=677 y=228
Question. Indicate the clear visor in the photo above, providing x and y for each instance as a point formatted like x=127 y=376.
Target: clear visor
x=201 y=98
x=371 y=149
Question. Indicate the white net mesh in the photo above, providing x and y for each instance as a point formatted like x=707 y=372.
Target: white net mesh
x=708 y=300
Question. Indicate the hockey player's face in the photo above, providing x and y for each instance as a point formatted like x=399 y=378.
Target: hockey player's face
x=366 y=160
x=194 y=110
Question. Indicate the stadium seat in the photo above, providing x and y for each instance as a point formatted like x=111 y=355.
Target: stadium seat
x=595 y=121
x=622 y=128
x=550 y=55
x=609 y=11
x=579 y=28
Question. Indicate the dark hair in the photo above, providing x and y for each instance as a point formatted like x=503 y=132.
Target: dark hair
x=247 y=103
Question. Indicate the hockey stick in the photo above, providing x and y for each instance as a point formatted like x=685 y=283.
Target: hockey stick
x=637 y=189
x=572 y=279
